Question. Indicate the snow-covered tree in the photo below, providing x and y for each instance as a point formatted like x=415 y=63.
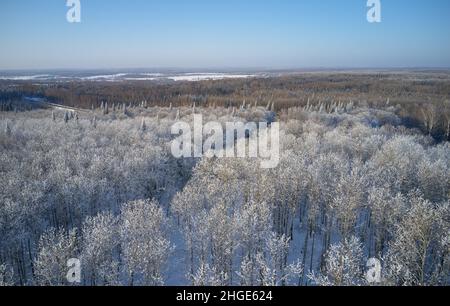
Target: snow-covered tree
x=100 y=250
x=273 y=268
x=7 y=129
x=66 y=117
x=417 y=237
x=343 y=265
x=6 y=278
x=434 y=179
x=145 y=247
x=206 y=276
x=348 y=200
x=56 y=247
x=223 y=242
x=385 y=210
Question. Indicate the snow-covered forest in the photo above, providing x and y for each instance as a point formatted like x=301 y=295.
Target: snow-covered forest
x=353 y=183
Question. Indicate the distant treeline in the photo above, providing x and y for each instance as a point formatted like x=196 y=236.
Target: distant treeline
x=421 y=99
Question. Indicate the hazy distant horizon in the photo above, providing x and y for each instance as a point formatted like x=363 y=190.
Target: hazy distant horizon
x=220 y=69
x=183 y=75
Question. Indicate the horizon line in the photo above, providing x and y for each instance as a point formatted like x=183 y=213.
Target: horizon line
x=234 y=69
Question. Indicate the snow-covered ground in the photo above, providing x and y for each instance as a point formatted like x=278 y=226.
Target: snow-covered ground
x=191 y=77
x=127 y=76
x=25 y=77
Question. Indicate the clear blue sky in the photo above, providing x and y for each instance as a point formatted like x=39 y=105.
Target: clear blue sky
x=224 y=33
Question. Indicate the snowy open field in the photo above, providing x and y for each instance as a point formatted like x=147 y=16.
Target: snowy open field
x=125 y=76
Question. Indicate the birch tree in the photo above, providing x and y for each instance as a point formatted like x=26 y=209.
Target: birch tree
x=413 y=243
x=100 y=250
x=56 y=247
x=343 y=263
x=145 y=246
